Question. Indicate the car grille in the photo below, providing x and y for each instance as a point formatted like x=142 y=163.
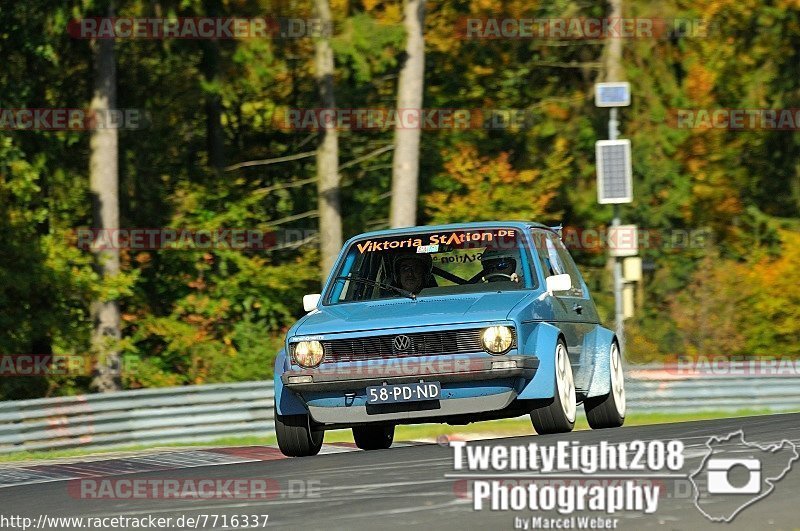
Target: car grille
x=419 y=344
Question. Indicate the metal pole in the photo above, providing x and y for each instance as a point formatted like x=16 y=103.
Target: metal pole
x=613 y=124
x=618 y=284
x=619 y=315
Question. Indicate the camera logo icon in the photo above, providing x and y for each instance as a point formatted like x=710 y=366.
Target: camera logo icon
x=719 y=471
x=734 y=474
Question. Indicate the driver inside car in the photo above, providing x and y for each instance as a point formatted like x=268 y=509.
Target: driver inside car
x=413 y=271
x=499 y=265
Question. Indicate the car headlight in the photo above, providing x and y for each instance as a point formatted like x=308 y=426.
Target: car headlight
x=497 y=339
x=308 y=353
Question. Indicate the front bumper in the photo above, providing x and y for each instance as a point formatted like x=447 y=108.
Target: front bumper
x=359 y=375
x=416 y=411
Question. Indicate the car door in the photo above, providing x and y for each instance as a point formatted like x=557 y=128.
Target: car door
x=574 y=310
x=552 y=265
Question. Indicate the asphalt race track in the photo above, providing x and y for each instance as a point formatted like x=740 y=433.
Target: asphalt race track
x=406 y=488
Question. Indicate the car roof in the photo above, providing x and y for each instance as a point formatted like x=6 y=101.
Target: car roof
x=521 y=225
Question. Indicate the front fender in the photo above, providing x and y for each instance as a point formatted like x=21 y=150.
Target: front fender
x=542 y=342
x=286 y=402
x=599 y=342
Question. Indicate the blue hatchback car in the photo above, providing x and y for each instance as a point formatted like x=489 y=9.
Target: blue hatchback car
x=453 y=323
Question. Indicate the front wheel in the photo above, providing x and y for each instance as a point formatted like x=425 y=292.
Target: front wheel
x=373 y=437
x=559 y=415
x=609 y=411
x=295 y=436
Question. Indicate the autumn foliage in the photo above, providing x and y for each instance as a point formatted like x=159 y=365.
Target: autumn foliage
x=220 y=315
x=483 y=188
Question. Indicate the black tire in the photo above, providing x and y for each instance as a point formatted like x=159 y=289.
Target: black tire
x=295 y=438
x=609 y=411
x=556 y=417
x=373 y=437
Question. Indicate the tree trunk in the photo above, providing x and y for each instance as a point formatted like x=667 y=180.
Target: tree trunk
x=215 y=138
x=405 y=165
x=103 y=182
x=613 y=47
x=328 y=202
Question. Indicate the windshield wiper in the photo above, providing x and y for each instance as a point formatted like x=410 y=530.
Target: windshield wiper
x=401 y=291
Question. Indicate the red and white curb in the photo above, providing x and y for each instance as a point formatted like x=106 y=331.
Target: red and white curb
x=12 y=475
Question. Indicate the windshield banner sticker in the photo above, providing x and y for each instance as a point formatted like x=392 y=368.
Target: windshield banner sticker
x=429 y=243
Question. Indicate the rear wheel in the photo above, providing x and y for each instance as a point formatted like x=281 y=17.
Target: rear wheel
x=373 y=437
x=559 y=415
x=295 y=436
x=609 y=411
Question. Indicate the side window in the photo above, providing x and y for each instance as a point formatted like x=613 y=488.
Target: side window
x=551 y=265
x=556 y=266
x=569 y=264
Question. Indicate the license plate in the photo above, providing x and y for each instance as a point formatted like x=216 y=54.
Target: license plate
x=412 y=392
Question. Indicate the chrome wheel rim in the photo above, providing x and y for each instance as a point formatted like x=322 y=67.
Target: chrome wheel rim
x=566 y=385
x=617 y=380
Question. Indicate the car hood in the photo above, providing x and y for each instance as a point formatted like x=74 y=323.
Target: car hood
x=399 y=313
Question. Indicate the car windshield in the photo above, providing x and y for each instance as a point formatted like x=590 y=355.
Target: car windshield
x=432 y=264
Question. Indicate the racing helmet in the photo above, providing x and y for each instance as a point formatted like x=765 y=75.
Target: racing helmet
x=503 y=261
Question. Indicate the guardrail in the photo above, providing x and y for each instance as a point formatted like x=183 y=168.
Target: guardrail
x=209 y=412
x=147 y=416
x=734 y=386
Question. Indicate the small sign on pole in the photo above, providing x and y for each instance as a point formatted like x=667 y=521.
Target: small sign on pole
x=612 y=94
x=614 y=171
x=623 y=240
x=632 y=269
x=627 y=301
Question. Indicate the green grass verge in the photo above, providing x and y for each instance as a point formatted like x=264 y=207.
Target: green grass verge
x=498 y=428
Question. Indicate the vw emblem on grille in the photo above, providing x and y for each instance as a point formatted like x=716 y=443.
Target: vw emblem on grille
x=401 y=343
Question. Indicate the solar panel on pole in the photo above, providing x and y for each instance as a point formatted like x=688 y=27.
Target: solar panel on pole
x=614 y=172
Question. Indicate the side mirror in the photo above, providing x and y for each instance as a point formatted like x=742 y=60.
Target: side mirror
x=310 y=301
x=558 y=283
